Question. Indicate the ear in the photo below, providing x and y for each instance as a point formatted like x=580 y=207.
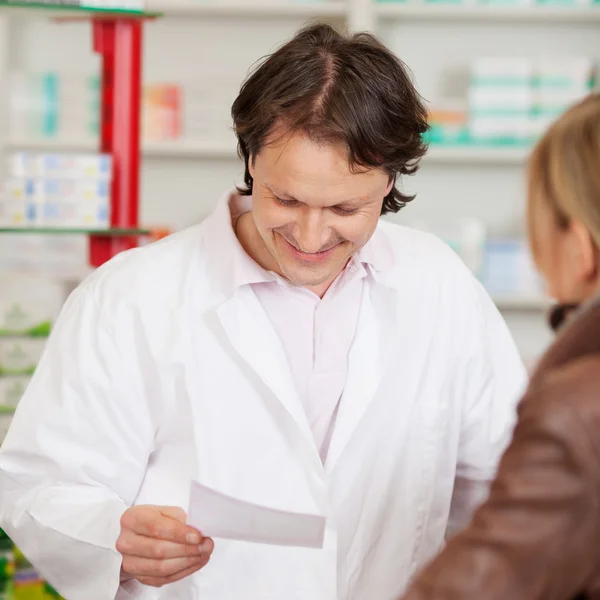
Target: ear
x=584 y=252
x=251 y=167
x=390 y=186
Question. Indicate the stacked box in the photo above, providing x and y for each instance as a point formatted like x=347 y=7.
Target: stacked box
x=559 y=83
x=33 y=105
x=206 y=112
x=29 y=305
x=509 y=269
x=12 y=390
x=59 y=191
x=133 y=5
x=161 y=112
x=448 y=123
x=18 y=578
x=78 y=107
x=50 y=105
x=501 y=101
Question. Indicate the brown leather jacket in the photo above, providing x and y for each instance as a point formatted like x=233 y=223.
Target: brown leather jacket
x=537 y=537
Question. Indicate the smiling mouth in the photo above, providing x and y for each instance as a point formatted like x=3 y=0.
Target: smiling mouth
x=313 y=257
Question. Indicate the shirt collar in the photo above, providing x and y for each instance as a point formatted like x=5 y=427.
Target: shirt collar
x=234 y=268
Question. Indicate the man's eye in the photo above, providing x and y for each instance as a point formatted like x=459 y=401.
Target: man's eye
x=340 y=210
x=285 y=202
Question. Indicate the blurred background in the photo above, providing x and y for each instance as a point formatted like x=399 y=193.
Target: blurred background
x=494 y=74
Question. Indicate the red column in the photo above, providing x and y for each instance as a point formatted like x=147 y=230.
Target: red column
x=119 y=42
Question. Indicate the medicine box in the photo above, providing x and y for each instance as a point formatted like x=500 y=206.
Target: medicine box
x=29 y=305
x=509 y=269
x=12 y=390
x=20 y=356
x=76 y=166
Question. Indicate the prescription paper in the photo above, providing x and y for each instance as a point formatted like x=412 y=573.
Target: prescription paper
x=216 y=515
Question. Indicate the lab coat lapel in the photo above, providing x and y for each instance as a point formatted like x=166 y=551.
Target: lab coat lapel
x=254 y=338
x=367 y=363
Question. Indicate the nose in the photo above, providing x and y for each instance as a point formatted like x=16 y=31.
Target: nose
x=311 y=231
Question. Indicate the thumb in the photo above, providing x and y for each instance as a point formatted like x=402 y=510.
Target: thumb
x=174 y=512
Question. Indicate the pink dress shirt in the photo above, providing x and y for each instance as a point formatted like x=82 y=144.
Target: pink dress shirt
x=316 y=333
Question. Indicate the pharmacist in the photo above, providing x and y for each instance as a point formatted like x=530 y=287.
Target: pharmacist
x=292 y=351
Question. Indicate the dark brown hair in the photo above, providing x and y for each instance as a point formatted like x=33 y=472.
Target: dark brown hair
x=336 y=88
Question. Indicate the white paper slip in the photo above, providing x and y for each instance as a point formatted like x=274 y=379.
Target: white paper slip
x=219 y=516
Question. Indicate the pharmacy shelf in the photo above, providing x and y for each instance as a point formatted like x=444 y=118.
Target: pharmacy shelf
x=170 y=149
x=227 y=151
x=477 y=155
x=65 y=11
x=529 y=14
x=521 y=303
x=186 y=149
x=115 y=232
x=249 y=8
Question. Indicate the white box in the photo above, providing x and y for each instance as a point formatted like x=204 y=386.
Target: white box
x=88 y=166
x=20 y=356
x=77 y=214
x=513 y=127
x=71 y=190
x=16 y=213
x=12 y=390
x=507 y=98
x=22 y=189
x=69 y=166
x=503 y=71
x=509 y=269
x=22 y=164
x=29 y=305
x=565 y=71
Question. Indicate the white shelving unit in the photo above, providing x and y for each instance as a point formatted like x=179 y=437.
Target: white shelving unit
x=207 y=37
x=179 y=149
x=222 y=150
x=247 y=9
x=474 y=155
x=490 y=13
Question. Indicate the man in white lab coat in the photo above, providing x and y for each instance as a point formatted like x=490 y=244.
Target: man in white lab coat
x=292 y=351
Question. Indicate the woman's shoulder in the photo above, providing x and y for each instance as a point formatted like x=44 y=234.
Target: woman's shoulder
x=563 y=404
x=578 y=338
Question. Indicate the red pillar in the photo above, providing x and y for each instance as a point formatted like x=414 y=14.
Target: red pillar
x=119 y=42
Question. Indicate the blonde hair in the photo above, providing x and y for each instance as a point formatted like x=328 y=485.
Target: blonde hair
x=564 y=172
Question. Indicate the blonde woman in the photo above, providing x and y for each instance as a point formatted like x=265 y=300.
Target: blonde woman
x=538 y=535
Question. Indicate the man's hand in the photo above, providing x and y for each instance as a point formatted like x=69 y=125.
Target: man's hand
x=158 y=547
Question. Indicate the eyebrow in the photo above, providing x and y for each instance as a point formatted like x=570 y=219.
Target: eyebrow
x=284 y=196
x=279 y=194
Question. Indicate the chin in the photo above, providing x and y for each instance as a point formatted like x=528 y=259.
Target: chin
x=301 y=277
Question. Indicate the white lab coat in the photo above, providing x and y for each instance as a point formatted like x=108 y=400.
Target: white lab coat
x=155 y=375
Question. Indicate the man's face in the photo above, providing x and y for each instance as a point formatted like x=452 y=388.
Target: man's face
x=311 y=211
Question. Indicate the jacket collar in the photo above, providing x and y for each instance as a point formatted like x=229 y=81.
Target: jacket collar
x=562 y=314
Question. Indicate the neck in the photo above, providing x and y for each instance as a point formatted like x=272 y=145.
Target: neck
x=253 y=244
x=251 y=241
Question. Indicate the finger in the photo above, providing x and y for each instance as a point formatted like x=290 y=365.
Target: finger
x=174 y=512
x=208 y=546
x=153 y=524
x=160 y=581
x=162 y=569
x=132 y=544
